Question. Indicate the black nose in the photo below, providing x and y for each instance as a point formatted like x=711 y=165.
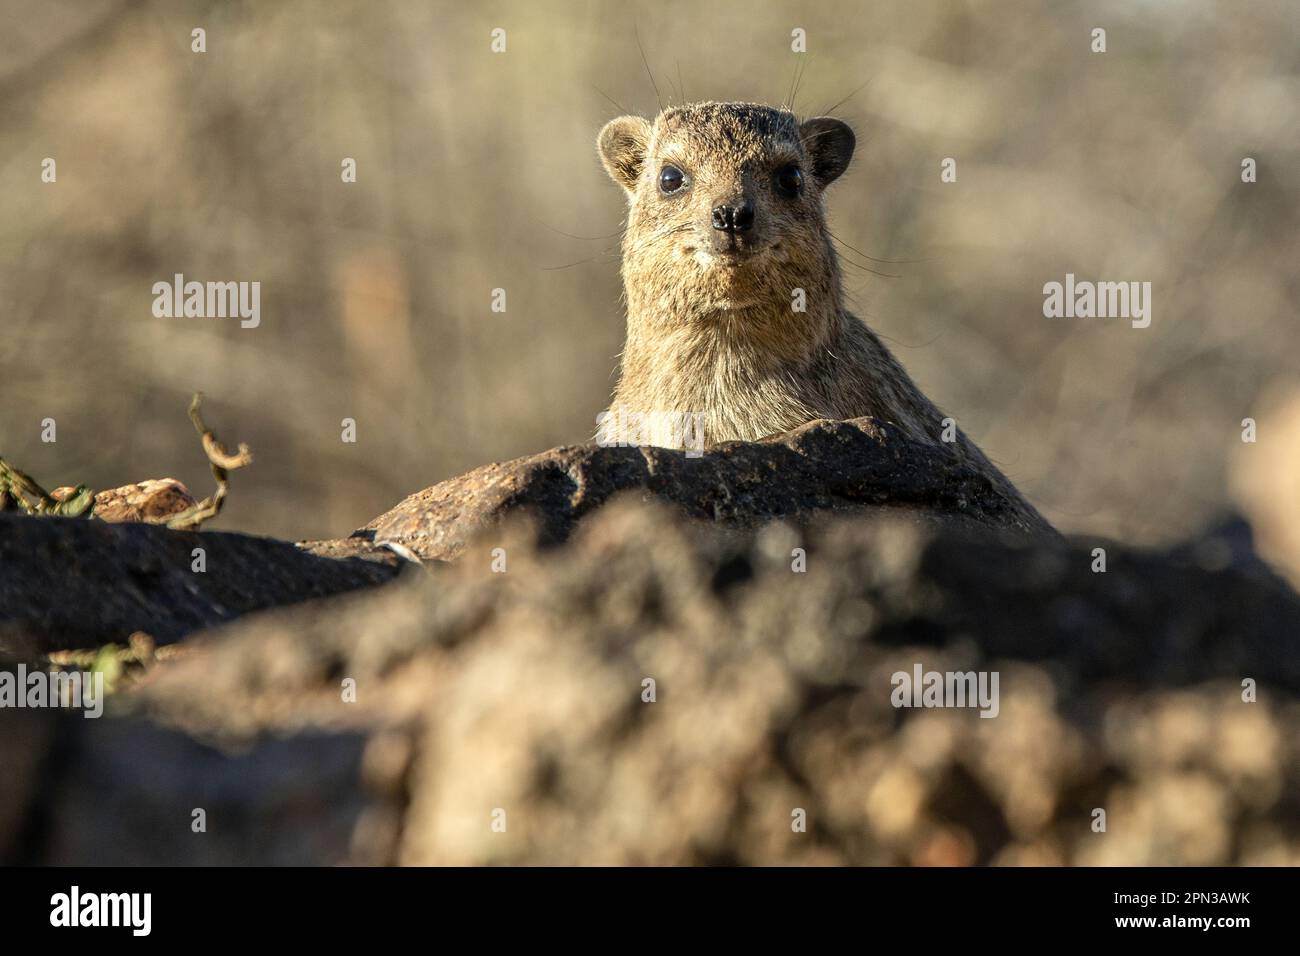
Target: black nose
x=734 y=218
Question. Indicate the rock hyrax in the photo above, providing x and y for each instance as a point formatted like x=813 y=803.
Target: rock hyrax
x=725 y=227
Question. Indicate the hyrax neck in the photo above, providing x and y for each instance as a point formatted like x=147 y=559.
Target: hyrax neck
x=748 y=371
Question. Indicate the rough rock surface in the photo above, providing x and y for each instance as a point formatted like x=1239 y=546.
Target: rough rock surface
x=523 y=692
x=76 y=583
x=821 y=467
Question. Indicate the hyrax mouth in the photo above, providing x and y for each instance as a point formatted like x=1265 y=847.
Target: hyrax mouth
x=710 y=256
x=727 y=262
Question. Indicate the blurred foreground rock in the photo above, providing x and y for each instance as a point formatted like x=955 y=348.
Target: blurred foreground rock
x=1264 y=476
x=518 y=696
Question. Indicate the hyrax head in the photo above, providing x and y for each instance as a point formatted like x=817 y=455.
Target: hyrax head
x=725 y=208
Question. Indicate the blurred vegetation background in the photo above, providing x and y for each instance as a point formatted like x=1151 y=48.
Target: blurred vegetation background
x=478 y=170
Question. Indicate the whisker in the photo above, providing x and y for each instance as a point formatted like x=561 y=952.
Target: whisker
x=831 y=109
x=570 y=235
x=662 y=233
x=893 y=262
x=859 y=265
x=618 y=106
x=798 y=82
x=637 y=33
x=848 y=261
x=580 y=262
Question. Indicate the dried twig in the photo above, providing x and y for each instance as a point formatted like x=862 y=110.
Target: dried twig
x=221 y=462
x=18 y=490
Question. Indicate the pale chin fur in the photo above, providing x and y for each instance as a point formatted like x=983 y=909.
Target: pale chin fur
x=723 y=277
x=703 y=257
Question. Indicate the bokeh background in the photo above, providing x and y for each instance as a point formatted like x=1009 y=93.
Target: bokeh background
x=477 y=171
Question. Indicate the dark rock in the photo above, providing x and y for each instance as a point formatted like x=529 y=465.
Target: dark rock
x=74 y=583
x=821 y=467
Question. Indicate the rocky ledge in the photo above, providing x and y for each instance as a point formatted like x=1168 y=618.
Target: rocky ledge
x=822 y=467
x=628 y=656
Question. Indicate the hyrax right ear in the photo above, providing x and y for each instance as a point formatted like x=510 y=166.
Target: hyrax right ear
x=622 y=146
x=829 y=143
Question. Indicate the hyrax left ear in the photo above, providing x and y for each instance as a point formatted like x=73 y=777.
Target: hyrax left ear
x=829 y=144
x=622 y=146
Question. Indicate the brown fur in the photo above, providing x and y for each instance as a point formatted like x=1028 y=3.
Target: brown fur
x=717 y=335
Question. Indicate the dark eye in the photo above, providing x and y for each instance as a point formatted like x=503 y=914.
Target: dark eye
x=789 y=180
x=671 y=179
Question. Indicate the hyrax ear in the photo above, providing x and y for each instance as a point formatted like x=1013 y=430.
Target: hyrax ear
x=622 y=146
x=829 y=144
